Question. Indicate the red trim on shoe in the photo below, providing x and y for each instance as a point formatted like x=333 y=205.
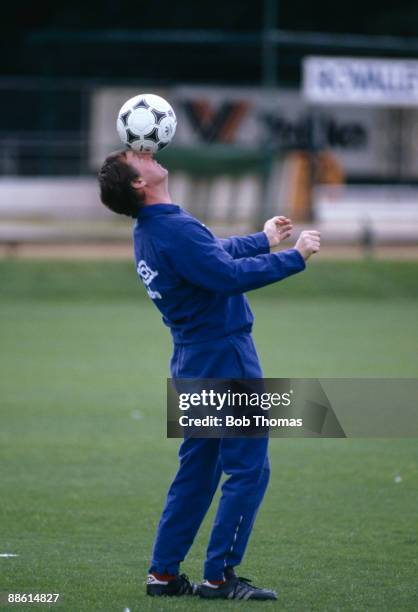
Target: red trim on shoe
x=163 y=577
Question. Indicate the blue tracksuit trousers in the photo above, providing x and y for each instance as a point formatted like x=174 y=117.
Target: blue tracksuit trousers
x=202 y=462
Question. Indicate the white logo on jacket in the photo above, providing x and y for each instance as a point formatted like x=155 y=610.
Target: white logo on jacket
x=147 y=275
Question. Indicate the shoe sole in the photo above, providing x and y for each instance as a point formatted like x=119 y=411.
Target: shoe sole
x=158 y=591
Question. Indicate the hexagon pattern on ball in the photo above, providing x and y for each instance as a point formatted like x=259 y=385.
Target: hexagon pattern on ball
x=146 y=123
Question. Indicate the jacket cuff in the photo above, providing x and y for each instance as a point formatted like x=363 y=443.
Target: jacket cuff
x=262 y=242
x=297 y=259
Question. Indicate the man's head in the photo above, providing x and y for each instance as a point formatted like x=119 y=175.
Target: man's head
x=129 y=180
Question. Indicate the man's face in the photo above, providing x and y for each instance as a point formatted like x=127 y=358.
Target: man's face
x=149 y=170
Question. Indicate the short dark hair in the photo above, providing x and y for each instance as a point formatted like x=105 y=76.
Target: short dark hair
x=116 y=190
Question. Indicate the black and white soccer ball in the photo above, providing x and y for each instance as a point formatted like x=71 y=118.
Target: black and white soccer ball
x=146 y=123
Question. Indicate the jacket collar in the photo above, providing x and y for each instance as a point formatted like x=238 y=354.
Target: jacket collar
x=151 y=210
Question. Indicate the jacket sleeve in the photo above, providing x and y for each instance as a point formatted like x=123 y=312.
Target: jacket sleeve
x=246 y=246
x=197 y=256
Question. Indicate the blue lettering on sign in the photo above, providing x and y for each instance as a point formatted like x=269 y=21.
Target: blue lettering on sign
x=326 y=78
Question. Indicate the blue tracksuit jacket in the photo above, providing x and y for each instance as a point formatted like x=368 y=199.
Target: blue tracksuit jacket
x=196 y=280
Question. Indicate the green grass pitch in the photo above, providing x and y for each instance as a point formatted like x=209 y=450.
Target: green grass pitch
x=85 y=464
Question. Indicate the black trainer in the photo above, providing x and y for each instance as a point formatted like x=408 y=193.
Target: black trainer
x=170 y=588
x=234 y=587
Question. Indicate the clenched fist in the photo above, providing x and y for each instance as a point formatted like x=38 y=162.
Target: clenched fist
x=277 y=229
x=308 y=242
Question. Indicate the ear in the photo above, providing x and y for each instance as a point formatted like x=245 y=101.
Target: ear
x=138 y=183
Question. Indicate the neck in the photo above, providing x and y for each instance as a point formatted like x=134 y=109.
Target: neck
x=159 y=195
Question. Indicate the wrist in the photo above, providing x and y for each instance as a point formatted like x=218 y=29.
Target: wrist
x=301 y=253
x=272 y=240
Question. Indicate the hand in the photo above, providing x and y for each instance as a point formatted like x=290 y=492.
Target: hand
x=277 y=229
x=309 y=242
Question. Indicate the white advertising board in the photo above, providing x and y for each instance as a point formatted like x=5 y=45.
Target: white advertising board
x=360 y=81
x=251 y=118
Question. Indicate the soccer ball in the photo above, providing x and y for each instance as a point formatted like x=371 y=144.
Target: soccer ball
x=146 y=123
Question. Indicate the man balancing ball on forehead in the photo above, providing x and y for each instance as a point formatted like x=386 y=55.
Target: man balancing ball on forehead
x=198 y=282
